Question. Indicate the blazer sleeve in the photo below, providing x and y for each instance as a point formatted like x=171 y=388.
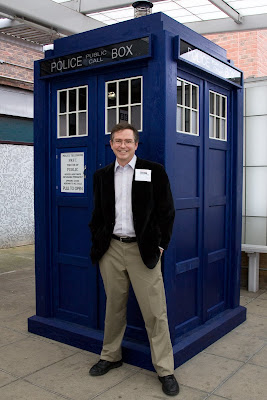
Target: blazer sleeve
x=164 y=207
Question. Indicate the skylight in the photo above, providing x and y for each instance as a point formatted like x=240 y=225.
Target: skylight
x=184 y=10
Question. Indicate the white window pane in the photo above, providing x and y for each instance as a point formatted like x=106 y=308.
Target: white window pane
x=212 y=110
x=187 y=120
x=256 y=231
x=83 y=98
x=111 y=94
x=72 y=100
x=211 y=126
x=136 y=117
x=223 y=136
x=123 y=92
x=187 y=94
x=194 y=122
x=111 y=119
x=123 y=114
x=62 y=126
x=136 y=94
x=256 y=100
x=179 y=119
x=72 y=124
x=179 y=92
x=63 y=101
x=217 y=128
x=82 y=123
x=256 y=141
x=256 y=191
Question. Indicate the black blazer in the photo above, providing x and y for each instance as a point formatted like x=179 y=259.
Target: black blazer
x=153 y=212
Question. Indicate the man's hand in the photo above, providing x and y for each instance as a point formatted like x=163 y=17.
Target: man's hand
x=161 y=251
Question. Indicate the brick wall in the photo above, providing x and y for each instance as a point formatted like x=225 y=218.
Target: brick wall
x=248 y=50
x=23 y=54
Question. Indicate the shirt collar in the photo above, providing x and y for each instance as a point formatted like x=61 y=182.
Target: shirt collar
x=131 y=163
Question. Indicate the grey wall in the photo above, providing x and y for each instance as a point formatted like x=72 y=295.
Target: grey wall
x=255 y=162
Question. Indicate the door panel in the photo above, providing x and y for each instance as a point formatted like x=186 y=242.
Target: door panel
x=75 y=279
x=216 y=207
x=188 y=198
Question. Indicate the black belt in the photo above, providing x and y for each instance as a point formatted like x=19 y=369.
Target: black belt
x=124 y=239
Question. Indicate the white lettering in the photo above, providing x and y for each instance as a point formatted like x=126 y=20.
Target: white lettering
x=79 y=61
x=114 y=53
x=53 y=66
x=73 y=62
x=129 y=50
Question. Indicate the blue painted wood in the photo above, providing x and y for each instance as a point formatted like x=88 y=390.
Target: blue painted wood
x=201 y=266
x=134 y=352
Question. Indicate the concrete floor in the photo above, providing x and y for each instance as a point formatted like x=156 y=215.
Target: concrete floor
x=32 y=367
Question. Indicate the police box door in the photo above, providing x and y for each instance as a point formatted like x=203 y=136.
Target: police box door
x=202 y=198
x=73 y=160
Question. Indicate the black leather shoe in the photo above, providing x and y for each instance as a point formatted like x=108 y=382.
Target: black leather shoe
x=169 y=385
x=103 y=366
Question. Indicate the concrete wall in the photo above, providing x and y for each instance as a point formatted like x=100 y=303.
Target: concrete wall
x=255 y=162
x=16 y=193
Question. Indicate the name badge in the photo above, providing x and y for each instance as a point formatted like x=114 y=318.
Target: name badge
x=143 y=175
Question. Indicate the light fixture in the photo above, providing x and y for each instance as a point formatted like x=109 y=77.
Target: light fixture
x=142 y=8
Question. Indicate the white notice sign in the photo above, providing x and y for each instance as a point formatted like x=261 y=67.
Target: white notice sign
x=72 y=172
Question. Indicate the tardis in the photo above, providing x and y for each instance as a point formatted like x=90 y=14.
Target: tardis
x=185 y=98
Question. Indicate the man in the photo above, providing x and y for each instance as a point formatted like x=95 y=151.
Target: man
x=131 y=227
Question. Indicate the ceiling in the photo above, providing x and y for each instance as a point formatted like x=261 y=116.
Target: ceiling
x=43 y=21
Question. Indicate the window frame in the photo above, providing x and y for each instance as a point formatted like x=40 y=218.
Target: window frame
x=183 y=107
x=76 y=112
x=128 y=105
x=217 y=116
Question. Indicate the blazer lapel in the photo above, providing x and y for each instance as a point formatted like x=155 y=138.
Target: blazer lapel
x=109 y=188
x=138 y=191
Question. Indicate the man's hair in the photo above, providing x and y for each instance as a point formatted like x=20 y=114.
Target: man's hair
x=121 y=127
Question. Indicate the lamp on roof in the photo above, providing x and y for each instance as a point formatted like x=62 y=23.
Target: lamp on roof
x=142 y=8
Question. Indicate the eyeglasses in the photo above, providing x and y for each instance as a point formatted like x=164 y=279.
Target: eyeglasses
x=119 y=142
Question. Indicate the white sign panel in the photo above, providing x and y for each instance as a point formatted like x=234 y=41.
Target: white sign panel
x=72 y=172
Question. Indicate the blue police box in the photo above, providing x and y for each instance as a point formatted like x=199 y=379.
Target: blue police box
x=185 y=98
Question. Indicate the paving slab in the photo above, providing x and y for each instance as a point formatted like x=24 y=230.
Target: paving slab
x=244 y=300
x=260 y=359
x=206 y=371
x=19 y=321
x=21 y=390
x=12 y=305
x=70 y=377
x=254 y=326
x=8 y=336
x=146 y=387
x=253 y=295
x=5 y=379
x=29 y=355
x=236 y=346
x=257 y=307
x=263 y=296
x=249 y=383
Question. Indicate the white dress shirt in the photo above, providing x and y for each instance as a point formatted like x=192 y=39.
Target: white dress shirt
x=123 y=177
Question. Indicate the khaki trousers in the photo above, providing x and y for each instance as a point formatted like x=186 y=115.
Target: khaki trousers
x=119 y=266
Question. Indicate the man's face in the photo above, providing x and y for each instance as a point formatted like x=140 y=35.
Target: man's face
x=124 y=146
